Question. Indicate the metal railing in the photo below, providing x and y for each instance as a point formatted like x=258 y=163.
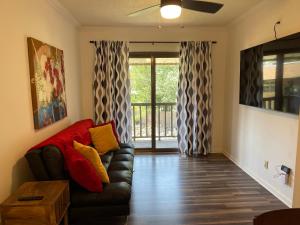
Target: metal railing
x=269 y=102
x=165 y=120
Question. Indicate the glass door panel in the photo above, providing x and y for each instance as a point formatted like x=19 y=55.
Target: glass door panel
x=140 y=78
x=166 y=83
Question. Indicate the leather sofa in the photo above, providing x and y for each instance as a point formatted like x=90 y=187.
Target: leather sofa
x=47 y=163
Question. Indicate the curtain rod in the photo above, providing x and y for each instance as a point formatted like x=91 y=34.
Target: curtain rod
x=153 y=42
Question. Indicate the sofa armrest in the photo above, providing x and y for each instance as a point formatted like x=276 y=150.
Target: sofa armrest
x=36 y=164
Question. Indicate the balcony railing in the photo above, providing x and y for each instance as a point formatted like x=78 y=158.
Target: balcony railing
x=165 y=120
x=269 y=102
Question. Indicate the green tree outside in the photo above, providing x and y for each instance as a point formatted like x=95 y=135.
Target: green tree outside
x=166 y=82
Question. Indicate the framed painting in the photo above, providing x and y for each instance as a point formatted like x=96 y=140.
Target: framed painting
x=47 y=79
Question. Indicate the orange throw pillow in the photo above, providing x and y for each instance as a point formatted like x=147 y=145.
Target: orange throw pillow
x=113 y=124
x=104 y=139
x=92 y=155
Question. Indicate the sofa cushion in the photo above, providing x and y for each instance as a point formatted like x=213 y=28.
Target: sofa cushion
x=106 y=158
x=120 y=176
x=121 y=165
x=125 y=151
x=106 y=165
x=126 y=145
x=123 y=157
x=36 y=164
x=54 y=162
x=113 y=193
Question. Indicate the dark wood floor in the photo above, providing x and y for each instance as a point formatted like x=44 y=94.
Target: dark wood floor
x=169 y=190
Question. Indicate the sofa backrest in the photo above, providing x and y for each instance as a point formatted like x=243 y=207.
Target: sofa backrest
x=47 y=163
x=46 y=159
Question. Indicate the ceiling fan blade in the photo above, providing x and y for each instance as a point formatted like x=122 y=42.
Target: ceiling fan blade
x=145 y=10
x=202 y=6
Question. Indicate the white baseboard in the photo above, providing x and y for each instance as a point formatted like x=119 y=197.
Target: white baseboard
x=266 y=185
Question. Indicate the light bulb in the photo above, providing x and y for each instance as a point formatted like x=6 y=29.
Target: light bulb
x=170 y=11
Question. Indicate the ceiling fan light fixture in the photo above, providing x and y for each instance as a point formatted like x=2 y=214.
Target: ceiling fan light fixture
x=170 y=9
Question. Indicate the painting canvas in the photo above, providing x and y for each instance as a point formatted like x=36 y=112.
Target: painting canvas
x=47 y=76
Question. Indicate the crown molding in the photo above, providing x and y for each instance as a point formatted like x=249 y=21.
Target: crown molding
x=64 y=12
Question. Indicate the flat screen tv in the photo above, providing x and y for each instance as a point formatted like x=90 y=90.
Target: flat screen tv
x=270 y=75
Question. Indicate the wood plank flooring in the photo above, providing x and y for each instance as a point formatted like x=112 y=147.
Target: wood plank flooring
x=170 y=190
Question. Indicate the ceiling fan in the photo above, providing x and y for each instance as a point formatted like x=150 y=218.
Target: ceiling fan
x=171 y=9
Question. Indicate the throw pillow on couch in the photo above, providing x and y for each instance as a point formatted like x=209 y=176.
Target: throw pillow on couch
x=82 y=171
x=92 y=155
x=104 y=138
x=113 y=125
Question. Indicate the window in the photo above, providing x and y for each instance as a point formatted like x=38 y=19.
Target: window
x=154 y=82
x=281 y=77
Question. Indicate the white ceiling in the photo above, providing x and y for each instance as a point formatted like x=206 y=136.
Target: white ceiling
x=114 y=13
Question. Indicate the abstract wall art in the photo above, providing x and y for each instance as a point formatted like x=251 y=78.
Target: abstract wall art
x=47 y=79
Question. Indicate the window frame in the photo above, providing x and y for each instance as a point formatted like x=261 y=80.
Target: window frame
x=153 y=56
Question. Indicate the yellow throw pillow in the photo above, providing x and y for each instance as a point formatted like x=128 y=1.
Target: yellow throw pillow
x=92 y=155
x=104 y=139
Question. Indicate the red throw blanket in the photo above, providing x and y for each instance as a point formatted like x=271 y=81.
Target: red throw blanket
x=78 y=131
x=80 y=169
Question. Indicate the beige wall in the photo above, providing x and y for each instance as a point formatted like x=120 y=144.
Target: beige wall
x=155 y=34
x=18 y=20
x=254 y=135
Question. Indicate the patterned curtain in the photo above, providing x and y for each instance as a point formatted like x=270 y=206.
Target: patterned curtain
x=111 y=86
x=251 y=82
x=194 y=98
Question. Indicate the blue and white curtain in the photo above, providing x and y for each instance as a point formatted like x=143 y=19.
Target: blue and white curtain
x=194 y=98
x=111 y=86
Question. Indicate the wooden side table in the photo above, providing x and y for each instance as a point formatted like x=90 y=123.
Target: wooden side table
x=51 y=210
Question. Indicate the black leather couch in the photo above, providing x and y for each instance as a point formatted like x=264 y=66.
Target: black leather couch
x=48 y=164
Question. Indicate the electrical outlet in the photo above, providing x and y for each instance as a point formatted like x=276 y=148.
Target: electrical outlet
x=266 y=165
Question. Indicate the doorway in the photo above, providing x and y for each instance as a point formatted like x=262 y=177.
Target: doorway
x=154 y=82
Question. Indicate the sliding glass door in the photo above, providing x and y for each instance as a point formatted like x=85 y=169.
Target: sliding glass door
x=166 y=74
x=141 y=101
x=154 y=81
